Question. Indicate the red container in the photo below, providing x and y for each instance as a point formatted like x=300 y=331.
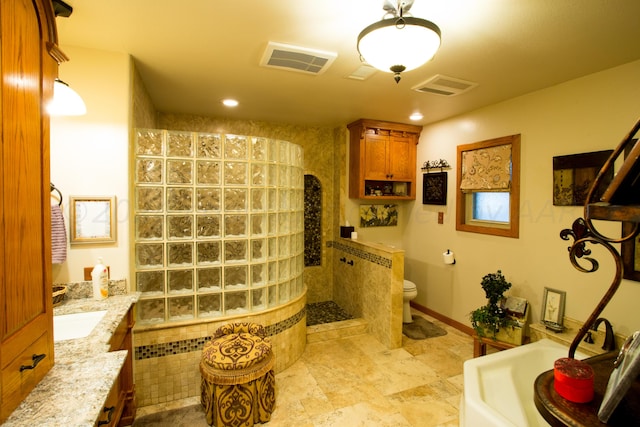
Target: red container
x=573 y=380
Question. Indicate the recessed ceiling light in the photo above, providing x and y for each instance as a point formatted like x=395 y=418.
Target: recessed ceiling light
x=416 y=116
x=230 y=102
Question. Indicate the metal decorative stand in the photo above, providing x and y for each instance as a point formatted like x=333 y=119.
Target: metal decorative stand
x=619 y=202
x=583 y=231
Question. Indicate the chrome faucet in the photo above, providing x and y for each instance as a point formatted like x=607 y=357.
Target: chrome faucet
x=609 y=339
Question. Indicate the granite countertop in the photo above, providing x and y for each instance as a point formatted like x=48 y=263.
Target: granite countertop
x=98 y=341
x=84 y=371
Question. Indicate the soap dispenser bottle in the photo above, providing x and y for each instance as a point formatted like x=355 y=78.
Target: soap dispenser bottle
x=100 y=278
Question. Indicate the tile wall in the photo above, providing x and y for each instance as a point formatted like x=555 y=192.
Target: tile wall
x=166 y=359
x=323 y=148
x=368 y=283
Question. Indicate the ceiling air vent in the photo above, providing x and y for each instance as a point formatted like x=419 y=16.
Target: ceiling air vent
x=294 y=58
x=363 y=72
x=445 y=86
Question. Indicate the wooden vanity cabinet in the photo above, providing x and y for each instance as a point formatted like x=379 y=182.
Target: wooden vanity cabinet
x=112 y=410
x=120 y=407
x=29 y=61
x=382 y=158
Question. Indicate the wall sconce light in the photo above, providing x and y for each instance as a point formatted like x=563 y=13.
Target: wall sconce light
x=398 y=43
x=66 y=101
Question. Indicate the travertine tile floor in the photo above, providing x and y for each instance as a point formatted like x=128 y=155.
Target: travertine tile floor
x=356 y=381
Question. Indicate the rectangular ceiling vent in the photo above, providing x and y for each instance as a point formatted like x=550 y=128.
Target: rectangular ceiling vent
x=363 y=72
x=295 y=58
x=445 y=86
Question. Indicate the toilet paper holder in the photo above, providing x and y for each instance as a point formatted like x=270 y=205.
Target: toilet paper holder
x=448 y=257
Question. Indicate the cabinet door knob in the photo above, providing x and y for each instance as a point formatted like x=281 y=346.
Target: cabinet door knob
x=36 y=358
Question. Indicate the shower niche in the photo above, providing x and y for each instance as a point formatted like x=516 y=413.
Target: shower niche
x=218 y=224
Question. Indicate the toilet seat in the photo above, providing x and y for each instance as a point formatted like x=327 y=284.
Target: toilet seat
x=410 y=291
x=409 y=286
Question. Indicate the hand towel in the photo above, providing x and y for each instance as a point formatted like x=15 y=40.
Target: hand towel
x=58 y=236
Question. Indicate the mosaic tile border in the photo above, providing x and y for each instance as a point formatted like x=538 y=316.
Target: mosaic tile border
x=196 y=344
x=312 y=221
x=367 y=256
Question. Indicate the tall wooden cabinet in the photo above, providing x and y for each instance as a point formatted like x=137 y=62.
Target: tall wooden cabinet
x=382 y=160
x=28 y=64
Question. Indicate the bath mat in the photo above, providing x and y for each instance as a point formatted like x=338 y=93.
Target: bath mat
x=421 y=329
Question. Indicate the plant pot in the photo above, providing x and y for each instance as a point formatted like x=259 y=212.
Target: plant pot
x=512 y=335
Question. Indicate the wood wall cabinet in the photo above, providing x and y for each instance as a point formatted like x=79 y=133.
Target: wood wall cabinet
x=28 y=63
x=120 y=407
x=382 y=160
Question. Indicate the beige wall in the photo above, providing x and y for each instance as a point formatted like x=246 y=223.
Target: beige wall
x=89 y=154
x=587 y=114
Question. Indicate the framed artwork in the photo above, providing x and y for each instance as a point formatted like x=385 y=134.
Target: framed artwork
x=378 y=215
x=434 y=188
x=627 y=368
x=553 y=308
x=630 y=254
x=573 y=175
x=92 y=220
x=630 y=250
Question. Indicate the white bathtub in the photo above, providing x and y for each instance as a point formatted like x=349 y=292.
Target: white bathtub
x=498 y=388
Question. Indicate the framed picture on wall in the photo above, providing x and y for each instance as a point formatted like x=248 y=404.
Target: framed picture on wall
x=434 y=188
x=573 y=175
x=630 y=249
x=92 y=219
x=553 y=308
x=630 y=254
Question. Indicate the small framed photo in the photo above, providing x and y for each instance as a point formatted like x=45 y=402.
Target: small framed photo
x=553 y=308
x=627 y=368
x=92 y=220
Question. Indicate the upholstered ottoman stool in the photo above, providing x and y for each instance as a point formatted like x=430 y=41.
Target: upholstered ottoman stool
x=238 y=382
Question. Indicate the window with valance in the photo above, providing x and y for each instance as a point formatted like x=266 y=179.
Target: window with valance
x=488 y=190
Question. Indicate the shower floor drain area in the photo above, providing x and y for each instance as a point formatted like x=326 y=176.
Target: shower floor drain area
x=325 y=312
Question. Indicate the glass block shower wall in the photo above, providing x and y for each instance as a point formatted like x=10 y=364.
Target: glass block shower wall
x=218 y=224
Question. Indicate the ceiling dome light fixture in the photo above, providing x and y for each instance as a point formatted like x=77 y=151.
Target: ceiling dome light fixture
x=399 y=43
x=66 y=101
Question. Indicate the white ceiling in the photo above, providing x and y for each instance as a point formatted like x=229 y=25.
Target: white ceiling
x=193 y=53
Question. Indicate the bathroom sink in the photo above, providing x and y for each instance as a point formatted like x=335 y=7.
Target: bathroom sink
x=72 y=326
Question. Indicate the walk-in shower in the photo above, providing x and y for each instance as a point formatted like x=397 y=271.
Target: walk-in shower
x=218 y=224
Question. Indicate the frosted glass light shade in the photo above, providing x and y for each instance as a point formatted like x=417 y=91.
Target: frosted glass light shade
x=66 y=101
x=407 y=42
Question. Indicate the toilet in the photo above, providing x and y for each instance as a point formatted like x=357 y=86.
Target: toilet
x=410 y=292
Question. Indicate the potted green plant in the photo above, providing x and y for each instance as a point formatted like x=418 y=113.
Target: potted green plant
x=493 y=316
